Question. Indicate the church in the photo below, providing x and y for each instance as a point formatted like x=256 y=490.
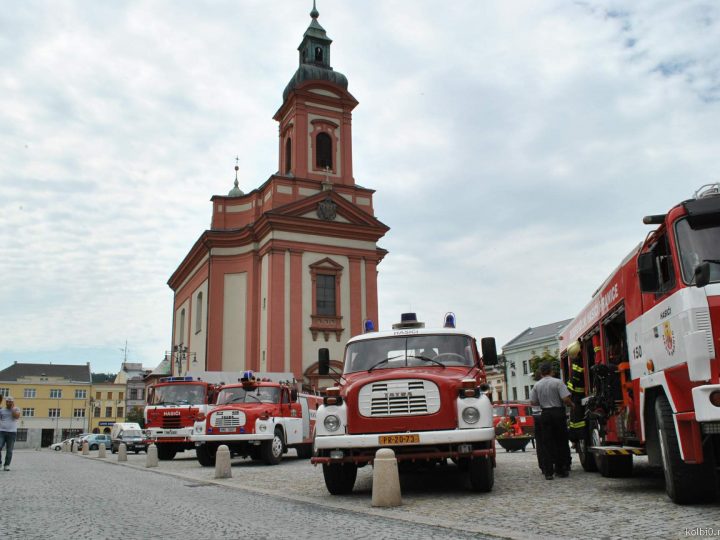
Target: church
x=290 y=267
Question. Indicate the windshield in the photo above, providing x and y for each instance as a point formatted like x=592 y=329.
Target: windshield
x=132 y=433
x=696 y=246
x=238 y=394
x=179 y=394
x=409 y=351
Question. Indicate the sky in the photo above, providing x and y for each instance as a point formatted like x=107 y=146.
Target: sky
x=514 y=148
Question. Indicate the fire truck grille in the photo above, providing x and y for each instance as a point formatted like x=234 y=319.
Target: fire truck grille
x=404 y=397
x=227 y=419
x=171 y=422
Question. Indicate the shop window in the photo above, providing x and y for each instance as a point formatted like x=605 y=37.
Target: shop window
x=21 y=435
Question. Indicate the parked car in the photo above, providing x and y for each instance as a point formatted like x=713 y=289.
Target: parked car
x=523 y=412
x=58 y=445
x=134 y=440
x=77 y=440
x=94 y=441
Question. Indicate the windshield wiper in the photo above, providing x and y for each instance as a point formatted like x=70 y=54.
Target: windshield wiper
x=385 y=360
x=428 y=360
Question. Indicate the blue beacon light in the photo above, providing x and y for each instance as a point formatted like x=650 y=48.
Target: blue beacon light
x=369 y=326
x=449 y=320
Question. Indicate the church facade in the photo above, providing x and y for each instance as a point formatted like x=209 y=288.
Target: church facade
x=290 y=267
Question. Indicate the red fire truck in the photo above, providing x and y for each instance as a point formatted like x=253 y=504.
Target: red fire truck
x=420 y=392
x=173 y=405
x=257 y=418
x=648 y=353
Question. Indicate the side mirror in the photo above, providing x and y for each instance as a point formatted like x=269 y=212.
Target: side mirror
x=489 y=351
x=702 y=274
x=293 y=394
x=324 y=361
x=647 y=273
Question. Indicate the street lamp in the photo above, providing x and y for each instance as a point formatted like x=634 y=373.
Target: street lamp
x=181 y=354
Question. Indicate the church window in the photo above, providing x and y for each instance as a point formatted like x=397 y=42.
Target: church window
x=325 y=295
x=198 y=312
x=323 y=151
x=288 y=155
x=318 y=54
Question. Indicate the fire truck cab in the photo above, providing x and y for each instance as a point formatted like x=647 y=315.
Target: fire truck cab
x=257 y=418
x=173 y=404
x=648 y=364
x=419 y=391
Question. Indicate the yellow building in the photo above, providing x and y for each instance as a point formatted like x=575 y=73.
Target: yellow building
x=54 y=400
x=107 y=405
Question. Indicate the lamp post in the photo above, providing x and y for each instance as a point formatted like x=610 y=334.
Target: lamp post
x=181 y=354
x=507 y=383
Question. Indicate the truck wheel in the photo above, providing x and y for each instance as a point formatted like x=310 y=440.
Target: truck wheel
x=206 y=454
x=304 y=451
x=340 y=477
x=166 y=452
x=482 y=474
x=272 y=450
x=684 y=483
x=586 y=457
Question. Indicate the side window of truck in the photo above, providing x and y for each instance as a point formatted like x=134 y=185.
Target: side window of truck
x=664 y=263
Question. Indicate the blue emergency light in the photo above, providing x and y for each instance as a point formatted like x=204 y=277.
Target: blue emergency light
x=176 y=379
x=369 y=326
x=449 y=320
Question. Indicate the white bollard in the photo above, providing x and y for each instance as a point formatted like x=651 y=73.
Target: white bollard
x=102 y=450
x=222 y=462
x=122 y=452
x=386 y=479
x=86 y=449
x=65 y=446
x=152 y=457
x=73 y=447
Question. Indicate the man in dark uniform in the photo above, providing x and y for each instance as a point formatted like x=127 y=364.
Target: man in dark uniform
x=550 y=394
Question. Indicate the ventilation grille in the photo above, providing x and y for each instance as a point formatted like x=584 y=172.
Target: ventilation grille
x=404 y=397
x=171 y=422
x=702 y=323
x=228 y=419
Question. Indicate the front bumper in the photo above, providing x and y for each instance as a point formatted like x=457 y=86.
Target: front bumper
x=232 y=437
x=458 y=443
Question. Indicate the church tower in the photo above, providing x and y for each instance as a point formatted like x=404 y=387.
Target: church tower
x=291 y=266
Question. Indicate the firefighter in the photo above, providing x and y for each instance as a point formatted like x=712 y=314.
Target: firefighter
x=576 y=385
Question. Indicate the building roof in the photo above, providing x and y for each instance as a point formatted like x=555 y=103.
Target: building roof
x=72 y=373
x=536 y=334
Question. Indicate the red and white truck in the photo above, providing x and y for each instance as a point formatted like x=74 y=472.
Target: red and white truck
x=419 y=391
x=257 y=418
x=173 y=405
x=648 y=344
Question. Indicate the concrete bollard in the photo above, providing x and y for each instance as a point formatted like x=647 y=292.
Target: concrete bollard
x=386 y=479
x=222 y=462
x=86 y=449
x=122 y=452
x=65 y=446
x=152 y=457
x=73 y=447
x=102 y=451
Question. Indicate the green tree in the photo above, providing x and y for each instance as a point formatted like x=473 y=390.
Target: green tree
x=546 y=356
x=136 y=414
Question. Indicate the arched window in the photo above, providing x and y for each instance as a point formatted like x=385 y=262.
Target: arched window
x=323 y=151
x=181 y=331
x=288 y=155
x=198 y=312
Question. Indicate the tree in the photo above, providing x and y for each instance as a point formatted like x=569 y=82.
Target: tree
x=552 y=358
x=136 y=414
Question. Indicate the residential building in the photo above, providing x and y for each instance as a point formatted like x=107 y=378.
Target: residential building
x=518 y=352
x=53 y=398
x=107 y=403
x=133 y=375
x=290 y=267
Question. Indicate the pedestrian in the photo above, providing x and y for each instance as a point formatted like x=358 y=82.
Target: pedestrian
x=553 y=444
x=9 y=415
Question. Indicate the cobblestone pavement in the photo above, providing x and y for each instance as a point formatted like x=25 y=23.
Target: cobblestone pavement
x=522 y=504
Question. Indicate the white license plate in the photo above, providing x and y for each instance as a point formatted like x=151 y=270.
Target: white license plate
x=226 y=429
x=171 y=432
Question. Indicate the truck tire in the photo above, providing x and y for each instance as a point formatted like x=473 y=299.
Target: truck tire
x=304 y=451
x=206 y=454
x=272 y=450
x=684 y=483
x=482 y=474
x=586 y=458
x=339 y=477
x=166 y=452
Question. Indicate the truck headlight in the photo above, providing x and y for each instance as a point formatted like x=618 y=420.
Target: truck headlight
x=471 y=415
x=331 y=422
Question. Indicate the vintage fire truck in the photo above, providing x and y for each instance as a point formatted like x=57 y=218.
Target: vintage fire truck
x=257 y=418
x=419 y=391
x=173 y=405
x=648 y=354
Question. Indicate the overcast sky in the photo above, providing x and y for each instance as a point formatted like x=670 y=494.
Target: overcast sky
x=514 y=148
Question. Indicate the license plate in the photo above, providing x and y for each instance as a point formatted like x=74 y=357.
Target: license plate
x=170 y=432
x=226 y=430
x=399 y=439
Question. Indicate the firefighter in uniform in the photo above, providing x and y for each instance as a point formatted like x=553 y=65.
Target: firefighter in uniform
x=576 y=385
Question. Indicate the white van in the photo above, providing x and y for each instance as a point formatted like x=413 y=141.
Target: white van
x=129 y=433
